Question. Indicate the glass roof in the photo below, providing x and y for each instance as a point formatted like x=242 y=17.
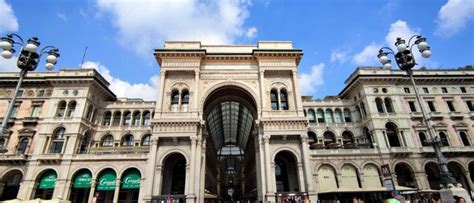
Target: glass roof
x=230 y=124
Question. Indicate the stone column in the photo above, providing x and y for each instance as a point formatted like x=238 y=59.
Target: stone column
x=188 y=186
x=117 y=189
x=259 y=161
x=203 y=171
x=262 y=91
x=301 y=177
x=192 y=167
x=2 y=186
x=196 y=91
x=150 y=176
x=92 y=191
x=158 y=176
x=26 y=188
x=296 y=90
x=197 y=168
x=467 y=175
x=161 y=94
x=308 y=175
x=269 y=194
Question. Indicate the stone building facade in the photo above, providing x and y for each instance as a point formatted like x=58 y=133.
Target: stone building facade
x=229 y=123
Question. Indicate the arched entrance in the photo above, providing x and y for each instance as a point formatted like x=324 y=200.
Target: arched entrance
x=433 y=173
x=174 y=175
x=81 y=186
x=106 y=184
x=405 y=175
x=45 y=184
x=130 y=186
x=458 y=172
x=230 y=173
x=11 y=184
x=286 y=174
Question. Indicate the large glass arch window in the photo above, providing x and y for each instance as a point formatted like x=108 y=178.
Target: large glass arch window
x=71 y=108
x=392 y=135
x=57 y=140
x=284 y=99
x=61 y=109
x=274 y=99
x=311 y=116
x=107 y=141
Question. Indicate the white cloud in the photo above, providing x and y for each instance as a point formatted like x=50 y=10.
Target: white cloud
x=453 y=16
x=338 y=56
x=121 y=88
x=9 y=65
x=8 y=22
x=368 y=56
x=400 y=28
x=62 y=16
x=251 y=33
x=310 y=81
x=212 y=22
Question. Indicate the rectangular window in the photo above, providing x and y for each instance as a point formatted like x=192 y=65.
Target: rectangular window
x=41 y=93
x=431 y=106
x=407 y=89
x=469 y=105
x=19 y=93
x=450 y=106
x=412 y=106
x=425 y=90
x=463 y=89
x=35 y=111
x=14 y=111
x=444 y=90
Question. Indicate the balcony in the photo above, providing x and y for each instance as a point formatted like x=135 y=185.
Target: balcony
x=416 y=116
x=13 y=159
x=456 y=115
x=30 y=120
x=436 y=115
x=343 y=152
x=450 y=151
x=115 y=153
x=400 y=151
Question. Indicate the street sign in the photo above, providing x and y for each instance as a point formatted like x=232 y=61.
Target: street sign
x=389 y=184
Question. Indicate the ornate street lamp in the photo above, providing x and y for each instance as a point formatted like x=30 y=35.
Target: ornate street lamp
x=406 y=61
x=28 y=60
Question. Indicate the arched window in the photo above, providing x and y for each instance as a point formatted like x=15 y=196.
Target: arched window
x=127 y=140
x=146 y=140
x=22 y=146
x=61 y=109
x=444 y=139
x=388 y=105
x=127 y=117
x=107 y=118
x=366 y=139
x=274 y=99
x=116 y=121
x=284 y=99
x=136 y=118
x=185 y=100
x=329 y=139
x=71 y=107
x=347 y=116
x=174 y=100
x=465 y=139
x=312 y=137
x=348 y=139
x=379 y=104
x=90 y=108
x=107 y=141
x=423 y=140
x=329 y=116
x=57 y=140
x=146 y=118
x=320 y=115
x=392 y=135
x=311 y=116
x=338 y=116
x=84 y=143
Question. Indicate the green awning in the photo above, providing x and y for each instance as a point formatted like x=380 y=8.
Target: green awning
x=131 y=180
x=48 y=180
x=83 y=180
x=107 y=181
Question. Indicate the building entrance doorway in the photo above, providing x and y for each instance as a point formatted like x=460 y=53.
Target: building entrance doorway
x=230 y=114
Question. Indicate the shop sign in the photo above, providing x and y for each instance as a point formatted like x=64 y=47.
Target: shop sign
x=131 y=180
x=107 y=181
x=83 y=180
x=48 y=180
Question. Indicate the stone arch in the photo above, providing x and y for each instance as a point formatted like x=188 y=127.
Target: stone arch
x=171 y=152
x=318 y=165
x=286 y=171
x=80 y=168
x=349 y=175
x=289 y=150
x=237 y=84
x=12 y=169
x=11 y=180
x=40 y=171
x=327 y=178
x=458 y=170
x=350 y=162
x=174 y=173
x=104 y=168
x=372 y=179
x=405 y=174
x=179 y=85
x=129 y=167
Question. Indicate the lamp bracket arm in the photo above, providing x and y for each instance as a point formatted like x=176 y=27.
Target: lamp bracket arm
x=11 y=35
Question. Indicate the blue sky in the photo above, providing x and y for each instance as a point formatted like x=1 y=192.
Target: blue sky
x=336 y=35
